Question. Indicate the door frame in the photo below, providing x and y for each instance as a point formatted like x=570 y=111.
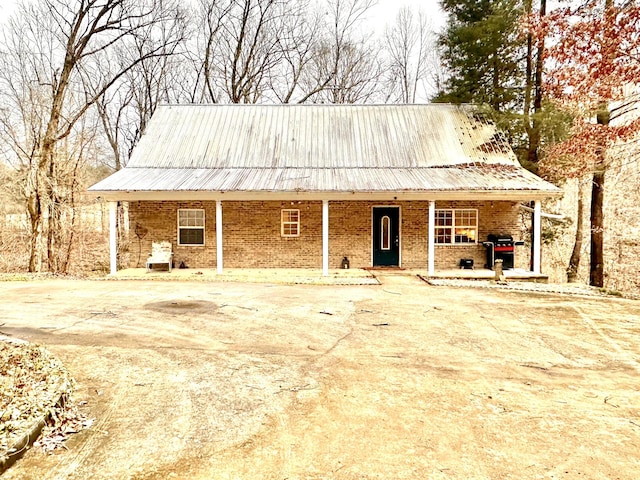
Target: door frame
x=399 y=208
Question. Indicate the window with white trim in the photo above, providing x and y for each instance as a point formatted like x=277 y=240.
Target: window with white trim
x=190 y=226
x=290 y=223
x=456 y=226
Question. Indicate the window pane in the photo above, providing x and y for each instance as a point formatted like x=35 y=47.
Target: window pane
x=191 y=218
x=442 y=235
x=466 y=218
x=444 y=218
x=192 y=236
x=290 y=229
x=456 y=226
x=465 y=235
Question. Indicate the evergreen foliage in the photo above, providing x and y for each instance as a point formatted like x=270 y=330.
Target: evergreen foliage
x=483 y=52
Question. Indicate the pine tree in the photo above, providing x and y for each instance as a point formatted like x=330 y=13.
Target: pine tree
x=483 y=52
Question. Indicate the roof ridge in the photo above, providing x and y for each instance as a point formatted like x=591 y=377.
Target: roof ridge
x=284 y=167
x=316 y=105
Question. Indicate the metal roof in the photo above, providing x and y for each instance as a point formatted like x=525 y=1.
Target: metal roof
x=324 y=179
x=320 y=148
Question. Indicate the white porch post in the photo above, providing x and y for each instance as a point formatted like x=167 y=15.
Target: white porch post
x=537 y=230
x=325 y=238
x=219 y=236
x=431 y=250
x=113 y=243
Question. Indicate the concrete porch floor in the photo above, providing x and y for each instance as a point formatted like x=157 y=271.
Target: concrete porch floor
x=353 y=276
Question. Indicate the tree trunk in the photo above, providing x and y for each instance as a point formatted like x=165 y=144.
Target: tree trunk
x=36 y=207
x=576 y=254
x=35 y=254
x=528 y=89
x=496 y=101
x=534 y=136
x=53 y=228
x=596 y=277
x=596 y=271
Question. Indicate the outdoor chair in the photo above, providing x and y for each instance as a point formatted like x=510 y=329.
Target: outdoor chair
x=161 y=254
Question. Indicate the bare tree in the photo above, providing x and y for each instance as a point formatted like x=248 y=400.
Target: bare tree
x=346 y=59
x=55 y=45
x=412 y=52
x=284 y=51
x=126 y=107
x=240 y=47
x=354 y=72
x=210 y=14
x=300 y=37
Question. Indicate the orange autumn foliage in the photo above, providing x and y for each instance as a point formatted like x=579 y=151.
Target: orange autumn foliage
x=592 y=55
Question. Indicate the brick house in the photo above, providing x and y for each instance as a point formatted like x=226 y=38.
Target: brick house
x=304 y=186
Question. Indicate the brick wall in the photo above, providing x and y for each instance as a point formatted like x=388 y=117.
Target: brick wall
x=251 y=235
x=252 y=239
x=157 y=221
x=493 y=217
x=350 y=233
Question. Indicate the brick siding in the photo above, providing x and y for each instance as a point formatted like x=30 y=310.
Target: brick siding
x=252 y=239
x=159 y=221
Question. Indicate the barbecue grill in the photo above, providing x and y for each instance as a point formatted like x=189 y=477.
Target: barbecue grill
x=501 y=247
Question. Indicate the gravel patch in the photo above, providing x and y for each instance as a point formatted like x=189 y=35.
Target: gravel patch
x=556 y=288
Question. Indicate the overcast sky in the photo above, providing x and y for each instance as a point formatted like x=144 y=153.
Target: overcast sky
x=383 y=13
x=6 y=7
x=386 y=10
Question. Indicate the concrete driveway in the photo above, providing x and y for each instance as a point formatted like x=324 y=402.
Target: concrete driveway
x=196 y=380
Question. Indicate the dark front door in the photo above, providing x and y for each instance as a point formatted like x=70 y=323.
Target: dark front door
x=386 y=236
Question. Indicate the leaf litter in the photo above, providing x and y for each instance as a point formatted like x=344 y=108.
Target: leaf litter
x=35 y=385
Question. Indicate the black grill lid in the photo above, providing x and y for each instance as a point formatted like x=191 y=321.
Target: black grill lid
x=502 y=238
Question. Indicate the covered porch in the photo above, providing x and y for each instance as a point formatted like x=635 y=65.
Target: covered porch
x=330 y=246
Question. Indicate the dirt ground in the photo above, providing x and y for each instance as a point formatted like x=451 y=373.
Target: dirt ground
x=197 y=380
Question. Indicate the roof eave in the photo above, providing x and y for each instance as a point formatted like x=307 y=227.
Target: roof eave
x=206 y=195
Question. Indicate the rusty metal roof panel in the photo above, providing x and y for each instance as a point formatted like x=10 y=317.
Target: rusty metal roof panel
x=321 y=148
x=317 y=136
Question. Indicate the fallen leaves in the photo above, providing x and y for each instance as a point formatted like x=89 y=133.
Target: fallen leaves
x=34 y=385
x=65 y=420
